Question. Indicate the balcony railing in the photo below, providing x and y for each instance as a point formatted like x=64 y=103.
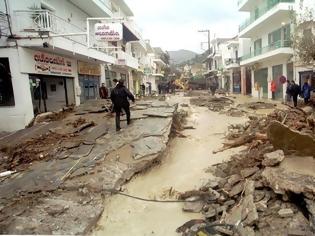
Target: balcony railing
x=260 y=11
x=45 y=21
x=269 y=48
x=232 y=61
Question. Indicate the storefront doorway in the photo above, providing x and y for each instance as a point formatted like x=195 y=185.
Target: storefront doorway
x=237 y=82
x=277 y=72
x=260 y=77
x=51 y=93
x=89 y=80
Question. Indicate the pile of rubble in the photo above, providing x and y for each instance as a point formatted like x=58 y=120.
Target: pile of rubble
x=268 y=189
x=213 y=103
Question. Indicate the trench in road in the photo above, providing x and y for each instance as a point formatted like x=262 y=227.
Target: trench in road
x=182 y=168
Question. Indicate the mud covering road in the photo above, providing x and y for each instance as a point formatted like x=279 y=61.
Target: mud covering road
x=183 y=168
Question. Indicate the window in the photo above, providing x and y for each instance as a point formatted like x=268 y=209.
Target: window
x=274 y=37
x=257 y=47
x=6 y=88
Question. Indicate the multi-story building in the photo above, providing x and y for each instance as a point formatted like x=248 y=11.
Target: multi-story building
x=219 y=55
x=270 y=57
x=50 y=57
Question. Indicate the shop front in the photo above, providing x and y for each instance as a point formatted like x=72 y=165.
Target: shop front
x=51 y=80
x=236 y=81
x=89 y=80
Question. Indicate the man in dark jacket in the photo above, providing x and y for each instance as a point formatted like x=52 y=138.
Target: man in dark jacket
x=119 y=97
x=295 y=92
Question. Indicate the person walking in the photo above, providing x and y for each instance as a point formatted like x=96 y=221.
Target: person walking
x=119 y=97
x=103 y=92
x=142 y=87
x=295 y=91
x=306 y=92
x=273 y=88
x=289 y=92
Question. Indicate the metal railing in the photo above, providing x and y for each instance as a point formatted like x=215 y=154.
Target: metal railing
x=269 y=48
x=45 y=21
x=260 y=11
x=232 y=61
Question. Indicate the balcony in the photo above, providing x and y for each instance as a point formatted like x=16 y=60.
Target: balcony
x=232 y=63
x=277 y=49
x=46 y=23
x=32 y=28
x=266 y=15
x=125 y=59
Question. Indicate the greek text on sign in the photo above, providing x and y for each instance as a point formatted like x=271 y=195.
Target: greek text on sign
x=108 y=32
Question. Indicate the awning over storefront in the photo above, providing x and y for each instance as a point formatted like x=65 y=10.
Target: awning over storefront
x=129 y=33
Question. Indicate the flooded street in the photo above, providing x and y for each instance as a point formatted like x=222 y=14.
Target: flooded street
x=182 y=167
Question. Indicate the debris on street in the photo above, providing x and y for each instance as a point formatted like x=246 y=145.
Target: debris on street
x=267 y=188
x=212 y=103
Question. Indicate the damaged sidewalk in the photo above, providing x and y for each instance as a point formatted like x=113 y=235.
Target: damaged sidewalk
x=66 y=167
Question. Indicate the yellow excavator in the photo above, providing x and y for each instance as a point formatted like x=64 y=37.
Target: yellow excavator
x=182 y=83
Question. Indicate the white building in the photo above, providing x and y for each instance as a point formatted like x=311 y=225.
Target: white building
x=269 y=29
x=48 y=62
x=218 y=58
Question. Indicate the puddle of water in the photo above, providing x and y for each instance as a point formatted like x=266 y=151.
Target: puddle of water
x=182 y=168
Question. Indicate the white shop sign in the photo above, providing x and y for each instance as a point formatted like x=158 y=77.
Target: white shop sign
x=109 y=32
x=37 y=62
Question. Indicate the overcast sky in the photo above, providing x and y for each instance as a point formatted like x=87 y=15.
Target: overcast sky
x=174 y=24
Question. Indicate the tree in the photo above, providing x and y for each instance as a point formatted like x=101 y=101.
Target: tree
x=304 y=35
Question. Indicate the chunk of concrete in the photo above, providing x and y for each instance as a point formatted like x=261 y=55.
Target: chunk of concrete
x=249 y=171
x=287 y=212
x=237 y=189
x=282 y=137
x=281 y=181
x=273 y=158
x=234 y=179
x=195 y=207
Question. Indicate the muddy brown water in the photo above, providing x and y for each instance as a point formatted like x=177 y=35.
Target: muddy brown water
x=183 y=168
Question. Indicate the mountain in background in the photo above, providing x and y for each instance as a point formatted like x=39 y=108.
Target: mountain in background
x=197 y=59
x=180 y=56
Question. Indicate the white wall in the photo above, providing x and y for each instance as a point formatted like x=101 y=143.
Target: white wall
x=18 y=116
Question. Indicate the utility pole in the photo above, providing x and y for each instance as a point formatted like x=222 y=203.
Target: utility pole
x=209 y=40
x=209 y=46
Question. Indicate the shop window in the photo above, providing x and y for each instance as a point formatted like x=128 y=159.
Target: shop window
x=6 y=88
x=53 y=88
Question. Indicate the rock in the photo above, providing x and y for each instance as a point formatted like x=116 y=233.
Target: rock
x=287 y=212
x=273 y=158
x=234 y=179
x=213 y=184
x=244 y=212
x=282 y=181
x=297 y=232
x=214 y=195
x=259 y=195
x=279 y=134
x=56 y=210
x=237 y=189
x=224 y=231
x=229 y=203
x=261 y=206
x=308 y=110
x=195 y=207
x=310 y=205
x=249 y=171
x=211 y=212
